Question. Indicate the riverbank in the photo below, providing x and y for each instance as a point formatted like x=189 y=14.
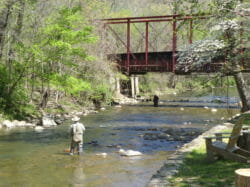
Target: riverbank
x=171 y=167
x=173 y=163
x=56 y=114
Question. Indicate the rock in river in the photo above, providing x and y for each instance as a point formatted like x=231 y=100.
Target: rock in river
x=8 y=124
x=38 y=129
x=48 y=122
x=129 y=153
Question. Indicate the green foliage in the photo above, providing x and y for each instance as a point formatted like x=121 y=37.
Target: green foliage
x=70 y=84
x=101 y=92
x=189 y=84
x=224 y=7
x=63 y=35
x=3 y=79
x=149 y=83
x=148 y=87
x=13 y=96
x=52 y=54
x=122 y=76
x=204 y=83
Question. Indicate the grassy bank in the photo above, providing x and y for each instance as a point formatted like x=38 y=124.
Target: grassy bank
x=196 y=171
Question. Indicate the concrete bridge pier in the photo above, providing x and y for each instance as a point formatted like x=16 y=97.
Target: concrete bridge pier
x=117 y=86
x=134 y=81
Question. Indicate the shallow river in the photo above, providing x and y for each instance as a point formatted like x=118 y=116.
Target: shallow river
x=34 y=159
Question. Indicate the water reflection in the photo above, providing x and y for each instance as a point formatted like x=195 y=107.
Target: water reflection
x=78 y=178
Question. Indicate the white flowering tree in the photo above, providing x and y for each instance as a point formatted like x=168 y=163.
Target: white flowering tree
x=227 y=38
x=198 y=54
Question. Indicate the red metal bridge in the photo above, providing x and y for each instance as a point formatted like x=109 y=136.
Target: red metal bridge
x=130 y=62
x=139 y=63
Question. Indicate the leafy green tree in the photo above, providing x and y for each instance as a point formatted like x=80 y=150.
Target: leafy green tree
x=61 y=50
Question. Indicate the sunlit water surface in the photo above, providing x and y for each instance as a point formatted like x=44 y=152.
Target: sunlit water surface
x=30 y=158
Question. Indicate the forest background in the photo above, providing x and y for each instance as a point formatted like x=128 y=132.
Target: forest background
x=53 y=52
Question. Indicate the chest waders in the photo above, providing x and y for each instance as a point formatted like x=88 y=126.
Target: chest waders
x=76 y=145
x=77 y=140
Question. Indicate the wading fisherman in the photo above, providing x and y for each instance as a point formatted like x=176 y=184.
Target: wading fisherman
x=155 y=100
x=76 y=132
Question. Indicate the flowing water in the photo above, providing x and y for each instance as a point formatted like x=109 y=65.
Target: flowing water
x=34 y=159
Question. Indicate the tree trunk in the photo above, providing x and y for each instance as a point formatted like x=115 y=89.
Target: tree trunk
x=172 y=81
x=242 y=177
x=15 y=39
x=4 y=18
x=45 y=98
x=18 y=27
x=242 y=90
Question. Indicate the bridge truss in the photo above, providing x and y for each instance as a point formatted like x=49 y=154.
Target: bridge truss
x=154 y=61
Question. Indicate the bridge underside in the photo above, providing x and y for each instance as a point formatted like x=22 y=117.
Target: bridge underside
x=140 y=63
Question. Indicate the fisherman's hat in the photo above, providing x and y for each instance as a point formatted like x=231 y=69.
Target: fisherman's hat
x=75 y=118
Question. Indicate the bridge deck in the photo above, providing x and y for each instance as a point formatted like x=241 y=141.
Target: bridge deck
x=156 y=62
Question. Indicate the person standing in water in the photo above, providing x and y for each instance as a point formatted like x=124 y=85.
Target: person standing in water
x=155 y=100
x=76 y=132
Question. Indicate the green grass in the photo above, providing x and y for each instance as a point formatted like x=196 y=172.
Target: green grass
x=196 y=171
x=247 y=121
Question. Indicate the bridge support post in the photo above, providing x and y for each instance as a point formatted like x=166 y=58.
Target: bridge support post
x=134 y=80
x=137 y=92
x=117 y=86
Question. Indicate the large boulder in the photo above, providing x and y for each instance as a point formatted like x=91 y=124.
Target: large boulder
x=59 y=119
x=30 y=125
x=38 y=128
x=21 y=124
x=8 y=124
x=48 y=121
x=15 y=123
x=129 y=152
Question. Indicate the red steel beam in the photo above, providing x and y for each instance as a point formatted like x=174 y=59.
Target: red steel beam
x=155 y=17
x=174 y=44
x=191 y=31
x=146 y=45
x=144 y=65
x=151 y=45
x=128 y=45
x=119 y=38
x=155 y=20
